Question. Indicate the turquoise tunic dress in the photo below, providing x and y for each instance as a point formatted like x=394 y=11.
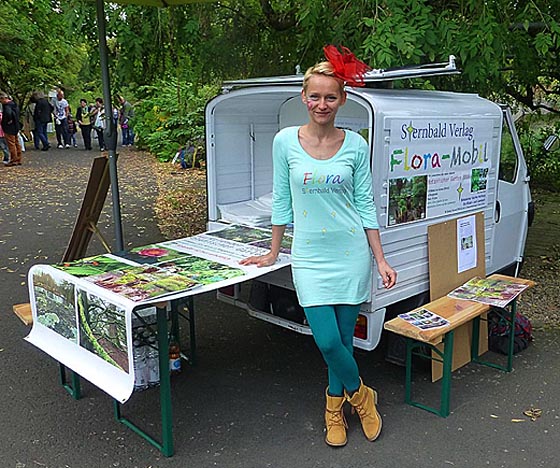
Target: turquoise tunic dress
x=331 y=204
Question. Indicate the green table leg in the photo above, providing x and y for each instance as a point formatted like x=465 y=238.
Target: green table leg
x=192 y=330
x=174 y=330
x=408 y=378
x=164 y=384
x=510 y=319
x=475 y=341
x=446 y=377
x=73 y=388
x=166 y=445
x=446 y=360
x=189 y=316
x=513 y=311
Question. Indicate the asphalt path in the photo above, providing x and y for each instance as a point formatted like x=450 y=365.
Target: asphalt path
x=256 y=396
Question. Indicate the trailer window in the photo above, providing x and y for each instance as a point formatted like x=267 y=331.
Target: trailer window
x=508 y=156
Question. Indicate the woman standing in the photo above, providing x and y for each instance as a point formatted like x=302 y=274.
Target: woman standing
x=97 y=116
x=83 y=117
x=322 y=183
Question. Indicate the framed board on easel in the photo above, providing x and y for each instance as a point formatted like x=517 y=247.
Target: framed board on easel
x=447 y=244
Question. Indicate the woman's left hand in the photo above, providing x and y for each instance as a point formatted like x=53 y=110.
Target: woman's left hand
x=260 y=260
x=388 y=275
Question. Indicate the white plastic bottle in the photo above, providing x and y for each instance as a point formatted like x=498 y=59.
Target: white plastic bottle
x=153 y=363
x=140 y=366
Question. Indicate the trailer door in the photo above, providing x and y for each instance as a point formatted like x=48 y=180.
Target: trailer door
x=512 y=201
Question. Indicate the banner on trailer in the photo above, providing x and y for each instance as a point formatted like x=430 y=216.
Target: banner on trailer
x=82 y=310
x=437 y=167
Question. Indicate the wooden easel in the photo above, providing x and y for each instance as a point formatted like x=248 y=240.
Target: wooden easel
x=86 y=223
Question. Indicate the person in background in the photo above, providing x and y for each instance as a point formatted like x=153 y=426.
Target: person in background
x=126 y=115
x=3 y=144
x=335 y=233
x=29 y=127
x=61 y=120
x=115 y=117
x=11 y=127
x=43 y=116
x=83 y=117
x=116 y=122
x=98 y=119
x=72 y=128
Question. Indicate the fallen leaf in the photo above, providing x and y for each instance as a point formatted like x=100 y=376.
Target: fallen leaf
x=533 y=413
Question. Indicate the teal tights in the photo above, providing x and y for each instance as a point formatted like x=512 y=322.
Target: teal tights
x=333 y=330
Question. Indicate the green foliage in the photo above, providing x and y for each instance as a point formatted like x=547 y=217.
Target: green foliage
x=36 y=49
x=170 y=115
x=244 y=38
x=544 y=167
x=503 y=47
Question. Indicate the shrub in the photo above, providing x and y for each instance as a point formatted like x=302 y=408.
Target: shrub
x=170 y=115
x=544 y=167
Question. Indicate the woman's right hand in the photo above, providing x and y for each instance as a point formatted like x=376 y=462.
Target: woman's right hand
x=260 y=260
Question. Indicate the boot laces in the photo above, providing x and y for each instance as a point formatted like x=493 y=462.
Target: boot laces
x=361 y=411
x=336 y=418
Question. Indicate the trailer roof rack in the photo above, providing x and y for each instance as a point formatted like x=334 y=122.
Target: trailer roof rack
x=371 y=78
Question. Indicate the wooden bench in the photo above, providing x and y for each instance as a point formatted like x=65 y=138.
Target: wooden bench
x=457 y=312
x=23 y=311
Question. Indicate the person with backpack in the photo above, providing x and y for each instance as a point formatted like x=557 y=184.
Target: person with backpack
x=10 y=126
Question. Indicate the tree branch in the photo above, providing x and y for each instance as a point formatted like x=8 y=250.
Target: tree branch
x=532 y=28
x=528 y=99
x=523 y=99
x=278 y=21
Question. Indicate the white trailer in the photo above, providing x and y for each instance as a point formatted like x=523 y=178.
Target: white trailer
x=454 y=154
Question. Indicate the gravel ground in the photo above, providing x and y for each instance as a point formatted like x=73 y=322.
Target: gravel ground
x=541 y=304
x=542 y=262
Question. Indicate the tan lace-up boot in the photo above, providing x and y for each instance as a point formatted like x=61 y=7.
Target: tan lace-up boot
x=334 y=421
x=364 y=401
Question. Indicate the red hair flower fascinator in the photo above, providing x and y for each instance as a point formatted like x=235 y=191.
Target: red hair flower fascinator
x=346 y=66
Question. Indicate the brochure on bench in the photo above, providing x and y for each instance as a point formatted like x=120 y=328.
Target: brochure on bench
x=82 y=309
x=424 y=319
x=494 y=292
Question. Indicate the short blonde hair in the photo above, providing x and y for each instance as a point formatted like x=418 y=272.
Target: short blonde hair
x=321 y=68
